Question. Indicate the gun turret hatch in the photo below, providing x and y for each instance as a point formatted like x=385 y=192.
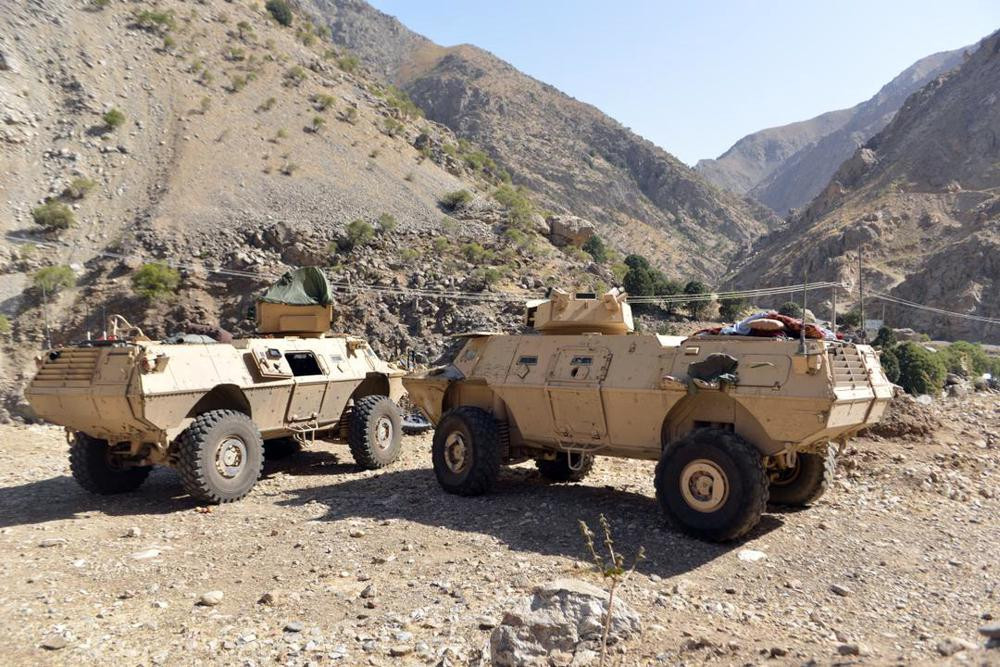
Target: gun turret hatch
x=565 y=313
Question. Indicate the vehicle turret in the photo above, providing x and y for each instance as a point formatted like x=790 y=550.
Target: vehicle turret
x=580 y=313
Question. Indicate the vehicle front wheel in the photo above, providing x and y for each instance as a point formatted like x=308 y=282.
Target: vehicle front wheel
x=559 y=469
x=466 y=451
x=97 y=471
x=806 y=481
x=712 y=484
x=375 y=436
x=220 y=456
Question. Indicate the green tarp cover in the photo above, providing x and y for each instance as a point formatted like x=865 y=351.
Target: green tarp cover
x=302 y=287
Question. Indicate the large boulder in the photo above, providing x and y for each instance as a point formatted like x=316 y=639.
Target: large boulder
x=563 y=618
x=569 y=230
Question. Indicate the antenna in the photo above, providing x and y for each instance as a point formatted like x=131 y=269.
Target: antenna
x=45 y=317
x=802 y=328
x=861 y=293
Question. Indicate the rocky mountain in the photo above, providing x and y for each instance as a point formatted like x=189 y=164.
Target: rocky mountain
x=785 y=167
x=576 y=158
x=210 y=137
x=923 y=199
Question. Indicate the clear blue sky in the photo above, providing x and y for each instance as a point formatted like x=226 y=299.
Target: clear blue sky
x=696 y=76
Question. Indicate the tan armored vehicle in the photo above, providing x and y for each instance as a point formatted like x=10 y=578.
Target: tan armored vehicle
x=210 y=409
x=732 y=420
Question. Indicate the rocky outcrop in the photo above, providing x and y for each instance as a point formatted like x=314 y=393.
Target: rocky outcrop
x=569 y=230
x=785 y=167
x=920 y=199
x=562 y=623
x=578 y=160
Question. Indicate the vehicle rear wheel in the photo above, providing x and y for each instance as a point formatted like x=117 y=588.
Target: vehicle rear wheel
x=220 y=456
x=466 y=451
x=712 y=484
x=281 y=448
x=375 y=436
x=806 y=481
x=97 y=471
x=559 y=470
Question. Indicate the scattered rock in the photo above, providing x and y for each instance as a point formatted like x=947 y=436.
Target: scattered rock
x=146 y=554
x=211 y=598
x=133 y=532
x=751 y=555
x=400 y=650
x=293 y=626
x=841 y=590
x=55 y=643
x=271 y=598
x=564 y=615
x=369 y=591
x=991 y=631
x=950 y=646
x=53 y=542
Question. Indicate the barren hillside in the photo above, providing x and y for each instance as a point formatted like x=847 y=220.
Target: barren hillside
x=785 y=167
x=577 y=158
x=923 y=197
x=210 y=136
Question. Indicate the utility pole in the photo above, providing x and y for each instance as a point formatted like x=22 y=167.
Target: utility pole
x=833 y=316
x=861 y=292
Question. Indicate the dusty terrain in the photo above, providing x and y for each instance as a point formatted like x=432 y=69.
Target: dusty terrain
x=908 y=537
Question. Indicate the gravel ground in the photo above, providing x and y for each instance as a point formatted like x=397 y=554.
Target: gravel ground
x=325 y=564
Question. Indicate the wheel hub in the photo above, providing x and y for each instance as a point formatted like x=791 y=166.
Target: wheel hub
x=704 y=485
x=230 y=457
x=456 y=452
x=383 y=433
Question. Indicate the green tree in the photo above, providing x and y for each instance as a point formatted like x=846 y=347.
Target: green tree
x=790 y=309
x=886 y=338
x=920 y=370
x=890 y=364
x=965 y=359
x=280 y=10
x=5 y=327
x=53 y=279
x=596 y=248
x=731 y=309
x=155 y=281
x=638 y=282
x=851 y=318
x=697 y=308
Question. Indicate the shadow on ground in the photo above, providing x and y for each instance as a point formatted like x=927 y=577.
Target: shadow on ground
x=62 y=498
x=526 y=514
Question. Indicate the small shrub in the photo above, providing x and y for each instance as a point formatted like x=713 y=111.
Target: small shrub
x=155 y=281
x=244 y=30
x=409 y=254
x=113 y=119
x=99 y=4
x=237 y=83
x=387 y=222
x=53 y=215
x=266 y=105
x=398 y=99
x=594 y=246
x=349 y=115
x=4 y=325
x=490 y=275
x=519 y=207
x=234 y=54
x=205 y=104
x=53 y=279
x=153 y=20
x=169 y=43
x=440 y=244
x=475 y=253
x=281 y=133
x=456 y=198
x=348 y=63
x=359 y=233
x=280 y=11
x=295 y=75
x=392 y=127
x=322 y=101
x=318 y=122
x=78 y=188
x=289 y=168
x=409 y=177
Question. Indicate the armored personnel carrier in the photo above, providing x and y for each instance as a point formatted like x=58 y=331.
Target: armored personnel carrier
x=209 y=409
x=731 y=420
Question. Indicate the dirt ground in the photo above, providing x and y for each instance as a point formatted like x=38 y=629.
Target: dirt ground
x=325 y=564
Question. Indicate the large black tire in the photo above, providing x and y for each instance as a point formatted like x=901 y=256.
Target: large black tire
x=558 y=470
x=375 y=435
x=711 y=484
x=96 y=471
x=220 y=456
x=281 y=448
x=807 y=481
x=466 y=451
